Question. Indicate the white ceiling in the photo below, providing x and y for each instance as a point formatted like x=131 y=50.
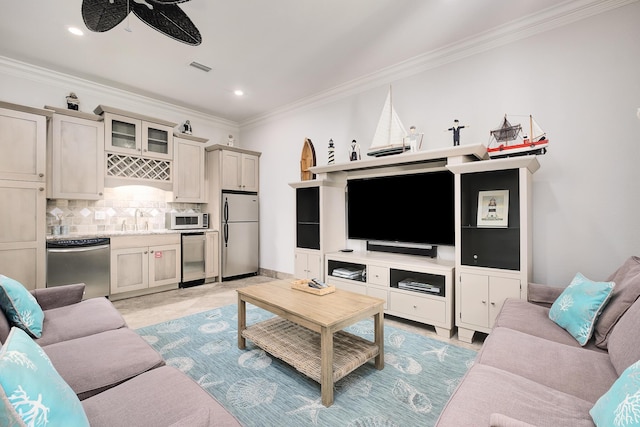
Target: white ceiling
x=277 y=51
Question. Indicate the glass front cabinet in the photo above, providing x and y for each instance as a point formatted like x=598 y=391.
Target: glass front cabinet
x=138 y=137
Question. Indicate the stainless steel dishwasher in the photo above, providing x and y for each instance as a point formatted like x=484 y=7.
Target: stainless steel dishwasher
x=80 y=261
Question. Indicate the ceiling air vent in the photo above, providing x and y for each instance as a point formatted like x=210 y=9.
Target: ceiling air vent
x=200 y=66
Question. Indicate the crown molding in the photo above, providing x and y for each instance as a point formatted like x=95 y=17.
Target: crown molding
x=553 y=17
x=37 y=74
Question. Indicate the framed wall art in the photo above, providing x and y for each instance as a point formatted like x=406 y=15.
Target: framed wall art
x=493 y=209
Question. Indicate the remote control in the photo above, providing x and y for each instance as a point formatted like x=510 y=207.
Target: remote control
x=315 y=283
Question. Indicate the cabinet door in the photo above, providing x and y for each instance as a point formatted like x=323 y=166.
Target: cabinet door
x=188 y=183
x=23 y=233
x=164 y=265
x=231 y=167
x=501 y=288
x=129 y=269
x=308 y=265
x=250 y=173
x=474 y=295
x=212 y=254
x=23 y=138
x=123 y=134
x=157 y=141
x=77 y=158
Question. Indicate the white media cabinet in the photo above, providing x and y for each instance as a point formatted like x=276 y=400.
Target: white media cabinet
x=382 y=273
x=485 y=270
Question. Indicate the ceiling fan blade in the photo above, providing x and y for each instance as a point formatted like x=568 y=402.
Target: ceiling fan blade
x=103 y=15
x=170 y=20
x=167 y=1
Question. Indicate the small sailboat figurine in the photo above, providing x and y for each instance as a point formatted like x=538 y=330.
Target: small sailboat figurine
x=506 y=140
x=390 y=133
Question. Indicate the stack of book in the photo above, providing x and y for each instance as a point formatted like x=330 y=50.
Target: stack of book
x=413 y=285
x=348 y=273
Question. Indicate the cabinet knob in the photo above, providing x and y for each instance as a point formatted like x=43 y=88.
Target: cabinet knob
x=415 y=306
x=484 y=302
x=493 y=303
x=100 y=194
x=41 y=189
x=41 y=175
x=146 y=252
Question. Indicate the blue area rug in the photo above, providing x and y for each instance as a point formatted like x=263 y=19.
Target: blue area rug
x=419 y=375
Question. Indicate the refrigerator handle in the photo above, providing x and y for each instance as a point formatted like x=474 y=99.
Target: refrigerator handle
x=226 y=222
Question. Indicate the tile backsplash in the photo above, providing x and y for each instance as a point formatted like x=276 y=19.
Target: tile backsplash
x=118 y=206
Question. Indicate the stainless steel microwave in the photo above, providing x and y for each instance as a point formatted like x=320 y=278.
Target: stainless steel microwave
x=186 y=221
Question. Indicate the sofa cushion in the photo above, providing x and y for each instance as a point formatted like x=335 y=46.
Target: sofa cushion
x=624 y=340
x=162 y=396
x=85 y=318
x=500 y=420
x=97 y=362
x=549 y=363
x=32 y=392
x=619 y=406
x=534 y=320
x=20 y=307
x=579 y=305
x=486 y=390
x=626 y=292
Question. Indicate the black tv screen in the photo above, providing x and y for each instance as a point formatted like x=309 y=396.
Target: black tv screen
x=415 y=208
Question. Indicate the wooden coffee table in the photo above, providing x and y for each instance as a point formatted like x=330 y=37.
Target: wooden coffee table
x=307 y=332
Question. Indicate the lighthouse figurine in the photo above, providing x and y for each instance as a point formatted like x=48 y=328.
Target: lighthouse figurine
x=331 y=153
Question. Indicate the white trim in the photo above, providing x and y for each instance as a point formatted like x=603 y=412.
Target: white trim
x=553 y=17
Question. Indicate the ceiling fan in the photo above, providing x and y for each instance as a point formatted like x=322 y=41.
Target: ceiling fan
x=164 y=16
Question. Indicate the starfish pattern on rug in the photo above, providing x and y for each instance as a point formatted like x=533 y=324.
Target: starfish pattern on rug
x=313 y=406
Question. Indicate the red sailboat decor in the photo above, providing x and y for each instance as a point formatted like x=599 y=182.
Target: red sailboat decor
x=508 y=141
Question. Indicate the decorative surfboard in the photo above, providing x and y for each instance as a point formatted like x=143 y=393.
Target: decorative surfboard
x=307 y=160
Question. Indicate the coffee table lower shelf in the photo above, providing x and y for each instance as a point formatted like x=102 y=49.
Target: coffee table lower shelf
x=300 y=347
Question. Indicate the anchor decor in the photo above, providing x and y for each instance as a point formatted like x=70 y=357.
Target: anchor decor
x=164 y=16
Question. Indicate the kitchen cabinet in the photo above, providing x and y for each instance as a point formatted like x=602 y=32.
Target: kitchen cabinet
x=135 y=134
x=212 y=256
x=492 y=263
x=188 y=181
x=23 y=136
x=239 y=171
x=144 y=264
x=75 y=156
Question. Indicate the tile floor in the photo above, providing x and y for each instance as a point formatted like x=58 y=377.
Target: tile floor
x=160 y=307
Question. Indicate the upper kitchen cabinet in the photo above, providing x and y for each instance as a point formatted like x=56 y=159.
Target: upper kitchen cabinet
x=23 y=138
x=188 y=182
x=139 y=149
x=75 y=135
x=135 y=134
x=239 y=168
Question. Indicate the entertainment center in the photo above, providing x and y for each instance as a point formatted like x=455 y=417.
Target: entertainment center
x=408 y=202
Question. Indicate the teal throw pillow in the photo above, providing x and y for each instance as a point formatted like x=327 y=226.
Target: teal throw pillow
x=31 y=390
x=20 y=307
x=620 y=406
x=577 y=309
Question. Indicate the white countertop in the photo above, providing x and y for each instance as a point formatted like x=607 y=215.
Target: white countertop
x=123 y=233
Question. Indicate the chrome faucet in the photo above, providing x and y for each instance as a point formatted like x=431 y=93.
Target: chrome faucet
x=135 y=217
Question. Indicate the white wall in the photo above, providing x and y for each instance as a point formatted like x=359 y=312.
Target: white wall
x=582 y=84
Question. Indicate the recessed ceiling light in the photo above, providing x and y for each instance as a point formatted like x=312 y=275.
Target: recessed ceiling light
x=200 y=66
x=238 y=92
x=76 y=31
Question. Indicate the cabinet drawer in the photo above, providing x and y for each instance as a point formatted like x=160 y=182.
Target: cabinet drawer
x=345 y=285
x=379 y=293
x=416 y=306
x=378 y=275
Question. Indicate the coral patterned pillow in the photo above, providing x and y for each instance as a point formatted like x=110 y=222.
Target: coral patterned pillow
x=577 y=309
x=20 y=307
x=32 y=392
x=620 y=406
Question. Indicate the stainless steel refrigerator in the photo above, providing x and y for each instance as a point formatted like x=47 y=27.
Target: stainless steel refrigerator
x=240 y=231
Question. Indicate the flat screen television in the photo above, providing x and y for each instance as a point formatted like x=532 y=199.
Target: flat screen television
x=414 y=208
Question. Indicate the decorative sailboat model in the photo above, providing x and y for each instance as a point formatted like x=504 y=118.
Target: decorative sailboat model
x=390 y=133
x=507 y=141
